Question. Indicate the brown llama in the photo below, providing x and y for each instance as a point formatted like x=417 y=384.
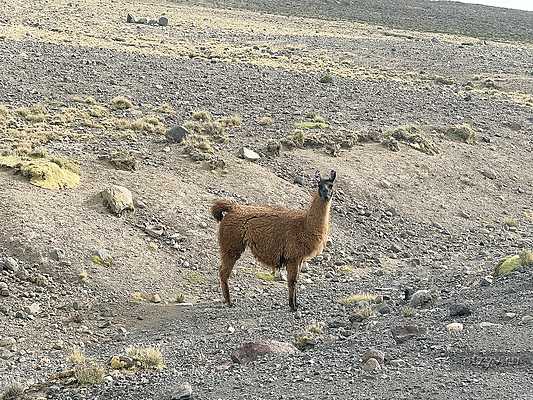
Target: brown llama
x=277 y=237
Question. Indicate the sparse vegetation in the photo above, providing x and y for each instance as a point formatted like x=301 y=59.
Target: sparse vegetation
x=83 y=276
x=363 y=313
x=231 y=122
x=180 y=298
x=461 y=133
x=148 y=357
x=165 y=108
x=35 y=114
x=265 y=276
x=511 y=263
x=510 y=222
x=413 y=136
x=89 y=374
x=43 y=170
x=326 y=78
x=265 y=121
x=121 y=103
x=196 y=278
x=313 y=121
x=13 y=391
x=357 y=298
x=77 y=357
x=408 y=311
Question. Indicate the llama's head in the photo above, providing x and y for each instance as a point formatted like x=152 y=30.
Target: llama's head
x=325 y=185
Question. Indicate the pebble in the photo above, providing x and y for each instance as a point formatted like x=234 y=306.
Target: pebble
x=248 y=154
x=454 y=327
x=181 y=392
x=374 y=354
x=33 y=309
x=486 y=324
x=371 y=365
x=163 y=21
x=8 y=342
x=488 y=173
x=509 y=315
x=177 y=134
x=527 y=320
x=486 y=280
x=399 y=363
x=4 y=289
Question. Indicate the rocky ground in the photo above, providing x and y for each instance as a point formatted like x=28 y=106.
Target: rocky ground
x=431 y=138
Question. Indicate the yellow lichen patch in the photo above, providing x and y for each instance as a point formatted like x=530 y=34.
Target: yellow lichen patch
x=359 y=297
x=34 y=114
x=43 y=171
x=511 y=263
x=121 y=103
x=265 y=276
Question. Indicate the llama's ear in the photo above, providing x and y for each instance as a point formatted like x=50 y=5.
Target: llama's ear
x=332 y=175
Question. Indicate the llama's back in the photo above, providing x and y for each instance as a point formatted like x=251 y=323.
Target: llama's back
x=264 y=229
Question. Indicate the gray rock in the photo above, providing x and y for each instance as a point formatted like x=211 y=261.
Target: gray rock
x=4 y=289
x=181 y=392
x=9 y=264
x=130 y=19
x=404 y=333
x=251 y=351
x=510 y=315
x=527 y=320
x=103 y=257
x=33 y=309
x=454 y=327
x=375 y=354
x=486 y=324
x=8 y=342
x=421 y=298
x=177 y=134
x=142 y=20
x=399 y=363
x=459 y=310
x=153 y=22
x=488 y=173
x=248 y=154
x=57 y=254
x=371 y=365
x=486 y=280
x=273 y=148
x=163 y=21
x=118 y=199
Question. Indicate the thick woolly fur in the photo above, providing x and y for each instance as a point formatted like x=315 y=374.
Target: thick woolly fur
x=277 y=237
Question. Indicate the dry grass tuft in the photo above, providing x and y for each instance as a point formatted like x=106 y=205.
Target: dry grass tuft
x=35 y=114
x=89 y=374
x=149 y=357
x=77 y=357
x=121 y=103
x=357 y=298
x=408 y=311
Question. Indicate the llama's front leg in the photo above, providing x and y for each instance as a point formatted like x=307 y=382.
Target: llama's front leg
x=292 y=280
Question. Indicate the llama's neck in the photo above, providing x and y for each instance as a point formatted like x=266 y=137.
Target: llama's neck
x=317 y=218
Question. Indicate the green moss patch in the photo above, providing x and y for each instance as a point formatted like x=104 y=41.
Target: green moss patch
x=42 y=170
x=511 y=263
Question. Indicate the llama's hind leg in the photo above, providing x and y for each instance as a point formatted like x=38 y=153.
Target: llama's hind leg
x=226 y=266
x=292 y=280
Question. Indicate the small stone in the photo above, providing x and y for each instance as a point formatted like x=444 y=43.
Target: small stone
x=486 y=324
x=421 y=298
x=488 y=173
x=152 y=22
x=21 y=315
x=130 y=19
x=299 y=180
x=398 y=363
x=486 y=280
x=202 y=225
x=118 y=199
x=459 y=310
x=273 y=148
x=59 y=345
x=163 y=21
x=155 y=298
x=177 y=134
x=371 y=365
x=108 y=380
x=33 y=309
x=509 y=315
x=527 y=320
x=231 y=329
x=181 y=392
x=4 y=289
x=103 y=257
x=375 y=354
x=297 y=315
x=8 y=342
x=248 y=154
x=142 y=20
x=9 y=264
x=454 y=327
x=57 y=254
x=384 y=309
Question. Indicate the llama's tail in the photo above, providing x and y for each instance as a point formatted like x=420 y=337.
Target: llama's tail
x=220 y=207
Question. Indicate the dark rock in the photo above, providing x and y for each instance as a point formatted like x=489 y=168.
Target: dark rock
x=177 y=134
x=251 y=351
x=459 y=310
x=421 y=298
x=163 y=21
x=130 y=19
x=487 y=173
x=181 y=392
x=404 y=333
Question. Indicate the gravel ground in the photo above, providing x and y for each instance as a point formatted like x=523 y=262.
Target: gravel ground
x=401 y=220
